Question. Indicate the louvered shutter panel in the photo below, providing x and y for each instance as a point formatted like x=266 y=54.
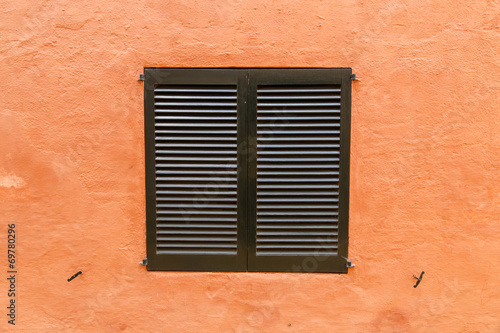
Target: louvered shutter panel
x=247 y=169
x=195 y=176
x=300 y=135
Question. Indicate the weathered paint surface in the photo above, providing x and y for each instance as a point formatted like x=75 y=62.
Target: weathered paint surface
x=425 y=173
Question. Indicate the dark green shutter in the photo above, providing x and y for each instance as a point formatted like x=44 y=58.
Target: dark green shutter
x=193 y=169
x=300 y=173
x=247 y=169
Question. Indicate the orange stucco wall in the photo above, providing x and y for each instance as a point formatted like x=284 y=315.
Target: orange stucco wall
x=425 y=164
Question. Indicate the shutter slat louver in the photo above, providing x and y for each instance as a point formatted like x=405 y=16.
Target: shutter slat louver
x=202 y=216
x=297 y=170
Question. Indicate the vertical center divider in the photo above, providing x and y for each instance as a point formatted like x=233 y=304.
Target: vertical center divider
x=252 y=170
x=242 y=170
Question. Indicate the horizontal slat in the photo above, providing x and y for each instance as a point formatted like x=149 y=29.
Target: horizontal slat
x=296 y=97
x=197 y=145
x=295 y=133
x=298 y=240
x=206 y=252
x=197 y=132
x=297 y=166
x=197 y=189
x=197 y=205
x=222 y=183
x=299 y=220
x=289 y=104
x=297 y=152
x=294 y=201
x=192 y=89
x=296 y=90
x=196 y=219
x=284 y=119
x=302 y=233
x=193 y=97
x=296 y=227
x=294 y=213
x=292 y=125
x=219 y=186
x=212 y=159
x=225 y=166
x=195 y=239
x=194 y=226
x=203 y=152
x=186 y=214
x=200 y=193
x=204 y=111
x=196 y=246
x=297 y=173
x=294 y=205
x=294 y=138
x=190 y=172
x=296 y=253
x=195 y=232
x=208 y=173
x=196 y=90
x=190 y=125
x=297 y=111
x=301 y=180
x=309 y=186
x=196 y=199
x=294 y=146
x=196 y=179
x=285 y=159
x=213 y=118
x=196 y=138
x=295 y=246
x=194 y=104
x=297 y=193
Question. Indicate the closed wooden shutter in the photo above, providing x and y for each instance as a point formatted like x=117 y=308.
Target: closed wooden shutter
x=247 y=169
x=301 y=167
x=194 y=166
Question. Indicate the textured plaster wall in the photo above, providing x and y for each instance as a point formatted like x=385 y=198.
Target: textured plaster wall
x=425 y=172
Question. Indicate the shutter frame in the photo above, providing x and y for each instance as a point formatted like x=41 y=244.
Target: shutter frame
x=246 y=81
x=196 y=262
x=300 y=77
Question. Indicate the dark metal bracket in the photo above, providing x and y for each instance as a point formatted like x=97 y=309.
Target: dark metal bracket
x=74 y=276
x=141 y=77
x=353 y=77
x=144 y=262
x=349 y=264
x=418 y=279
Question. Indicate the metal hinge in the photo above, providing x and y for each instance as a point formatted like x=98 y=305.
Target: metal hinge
x=144 y=262
x=349 y=264
x=141 y=77
x=353 y=77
